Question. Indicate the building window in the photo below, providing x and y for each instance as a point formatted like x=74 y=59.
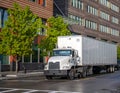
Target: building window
x=4 y=59
x=77 y=4
x=105 y=3
x=3 y=16
x=92 y=10
x=108 y=30
x=35 y=54
x=109 y=5
x=72 y=19
x=33 y=0
x=104 y=15
x=90 y=24
x=105 y=29
x=43 y=2
x=115 y=32
x=34 y=57
x=115 y=20
x=114 y=7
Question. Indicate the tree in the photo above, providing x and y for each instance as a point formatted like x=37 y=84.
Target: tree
x=18 y=34
x=118 y=52
x=56 y=27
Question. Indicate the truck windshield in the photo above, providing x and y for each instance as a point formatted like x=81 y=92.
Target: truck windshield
x=62 y=52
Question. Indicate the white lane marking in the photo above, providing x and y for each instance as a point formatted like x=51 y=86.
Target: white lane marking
x=62 y=92
x=32 y=90
x=9 y=90
x=52 y=92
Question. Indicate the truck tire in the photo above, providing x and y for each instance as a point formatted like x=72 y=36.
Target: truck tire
x=79 y=75
x=110 y=69
x=113 y=69
x=84 y=74
x=96 y=70
x=71 y=74
x=49 y=77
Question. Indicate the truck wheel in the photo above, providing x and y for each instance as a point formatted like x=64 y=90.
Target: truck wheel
x=108 y=70
x=84 y=74
x=96 y=70
x=79 y=75
x=71 y=74
x=49 y=77
x=112 y=69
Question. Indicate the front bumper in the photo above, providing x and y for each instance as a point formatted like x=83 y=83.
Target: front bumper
x=55 y=72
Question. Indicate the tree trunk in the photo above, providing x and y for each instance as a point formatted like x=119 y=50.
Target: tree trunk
x=16 y=66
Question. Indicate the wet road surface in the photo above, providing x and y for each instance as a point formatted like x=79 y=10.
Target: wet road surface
x=104 y=83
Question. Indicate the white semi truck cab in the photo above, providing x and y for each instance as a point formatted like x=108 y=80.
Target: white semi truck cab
x=78 y=56
x=61 y=62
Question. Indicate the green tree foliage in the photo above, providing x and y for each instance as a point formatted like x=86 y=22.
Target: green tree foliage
x=118 y=52
x=20 y=29
x=56 y=27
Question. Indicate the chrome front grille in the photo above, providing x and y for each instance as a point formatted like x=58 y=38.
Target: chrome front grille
x=55 y=65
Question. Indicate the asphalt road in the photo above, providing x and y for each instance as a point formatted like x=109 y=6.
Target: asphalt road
x=103 y=83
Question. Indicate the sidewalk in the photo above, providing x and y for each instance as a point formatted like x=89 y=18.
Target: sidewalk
x=13 y=75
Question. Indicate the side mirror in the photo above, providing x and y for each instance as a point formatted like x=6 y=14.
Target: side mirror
x=73 y=54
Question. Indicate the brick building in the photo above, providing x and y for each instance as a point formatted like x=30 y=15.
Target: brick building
x=98 y=19
x=43 y=9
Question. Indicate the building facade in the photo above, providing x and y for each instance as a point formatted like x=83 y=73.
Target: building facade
x=41 y=8
x=99 y=19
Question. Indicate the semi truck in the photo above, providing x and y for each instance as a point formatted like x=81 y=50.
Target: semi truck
x=78 y=56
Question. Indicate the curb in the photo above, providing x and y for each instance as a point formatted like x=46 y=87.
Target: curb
x=21 y=75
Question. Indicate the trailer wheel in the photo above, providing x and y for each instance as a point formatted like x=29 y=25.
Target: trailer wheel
x=71 y=74
x=112 y=69
x=96 y=70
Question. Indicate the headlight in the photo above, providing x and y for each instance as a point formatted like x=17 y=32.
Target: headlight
x=45 y=68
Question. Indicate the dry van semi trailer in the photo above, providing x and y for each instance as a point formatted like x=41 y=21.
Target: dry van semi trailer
x=78 y=56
